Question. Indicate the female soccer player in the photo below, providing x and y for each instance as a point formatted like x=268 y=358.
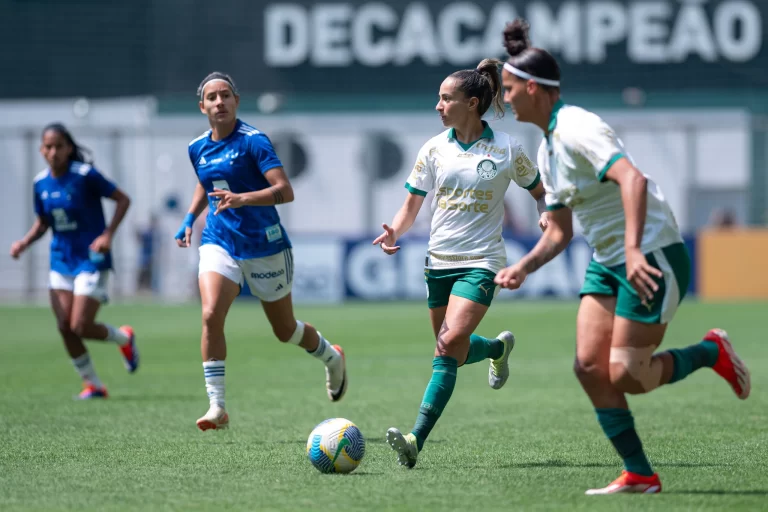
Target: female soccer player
x=640 y=268
x=470 y=167
x=241 y=179
x=68 y=199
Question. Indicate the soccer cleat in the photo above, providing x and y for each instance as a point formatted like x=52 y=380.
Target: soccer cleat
x=336 y=377
x=215 y=419
x=630 y=483
x=129 y=351
x=90 y=391
x=498 y=373
x=729 y=366
x=405 y=446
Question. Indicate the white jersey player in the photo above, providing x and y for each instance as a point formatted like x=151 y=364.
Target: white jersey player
x=469 y=167
x=640 y=271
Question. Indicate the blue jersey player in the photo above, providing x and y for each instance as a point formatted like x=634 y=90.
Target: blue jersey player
x=241 y=179
x=67 y=199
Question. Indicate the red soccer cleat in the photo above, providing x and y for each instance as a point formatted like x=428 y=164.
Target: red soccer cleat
x=630 y=483
x=729 y=366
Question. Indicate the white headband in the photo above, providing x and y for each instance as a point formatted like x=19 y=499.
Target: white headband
x=522 y=74
x=202 y=89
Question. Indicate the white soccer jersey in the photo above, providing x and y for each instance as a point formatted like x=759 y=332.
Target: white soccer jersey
x=573 y=160
x=468 y=206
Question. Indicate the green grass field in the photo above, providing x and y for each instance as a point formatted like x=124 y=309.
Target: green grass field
x=533 y=445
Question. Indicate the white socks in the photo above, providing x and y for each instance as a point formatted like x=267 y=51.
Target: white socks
x=214 y=381
x=116 y=335
x=84 y=367
x=325 y=351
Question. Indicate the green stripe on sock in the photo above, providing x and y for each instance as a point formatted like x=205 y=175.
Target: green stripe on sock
x=436 y=397
x=481 y=349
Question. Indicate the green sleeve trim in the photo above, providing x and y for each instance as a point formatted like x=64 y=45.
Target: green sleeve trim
x=535 y=182
x=553 y=207
x=413 y=190
x=612 y=161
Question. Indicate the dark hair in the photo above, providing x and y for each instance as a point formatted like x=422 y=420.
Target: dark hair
x=217 y=75
x=79 y=153
x=523 y=56
x=482 y=83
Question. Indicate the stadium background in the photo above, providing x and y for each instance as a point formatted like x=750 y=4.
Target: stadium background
x=346 y=92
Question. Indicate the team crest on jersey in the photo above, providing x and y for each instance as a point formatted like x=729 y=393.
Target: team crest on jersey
x=487 y=169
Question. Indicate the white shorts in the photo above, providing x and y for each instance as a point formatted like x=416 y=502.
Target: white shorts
x=269 y=278
x=90 y=284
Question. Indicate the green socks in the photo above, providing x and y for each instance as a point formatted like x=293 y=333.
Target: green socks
x=481 y=349
x=690 y=359
x=436 y=397
x=619 y=428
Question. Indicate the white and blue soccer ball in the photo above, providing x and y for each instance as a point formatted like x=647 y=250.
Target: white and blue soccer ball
x=336 y=446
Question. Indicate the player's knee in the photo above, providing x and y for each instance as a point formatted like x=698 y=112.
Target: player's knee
x=212 y=318
x=587 y=370
x=64 y=327
x=79 y=327
x=633 y=370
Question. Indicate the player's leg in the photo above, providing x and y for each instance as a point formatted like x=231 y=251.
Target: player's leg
x=219 y=279
x=61 y=303
x=642 y=330
x=271 y=279
x=90 y=294
x=462 y=316
x=476 y=285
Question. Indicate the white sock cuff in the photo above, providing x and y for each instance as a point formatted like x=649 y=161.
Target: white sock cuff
x=214 y=364
x=298 y=334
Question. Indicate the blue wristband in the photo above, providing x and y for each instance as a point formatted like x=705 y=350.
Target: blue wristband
x=189 y=220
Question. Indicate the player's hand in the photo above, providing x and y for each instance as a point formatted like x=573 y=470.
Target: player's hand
x=227 y=199
x=387 y=240
x=640 y=275
x=544 y=221
x=17 y=248
x=511 y=277
x=102 y=243
x=184 y=234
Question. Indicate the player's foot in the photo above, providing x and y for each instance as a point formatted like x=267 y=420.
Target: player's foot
x=729 y=366
x=336 y=377
x=129 y=351
x=215 y=419
x=631 y=482
x=405 y=446
x=90 y=391
x=498 y=373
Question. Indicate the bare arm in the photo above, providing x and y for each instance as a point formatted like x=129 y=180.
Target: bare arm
x=279 y=192
x=404 y=219
x=34 y=234
x=123 y=203
x=199 y=201
x=634 y=198
x=554 y=240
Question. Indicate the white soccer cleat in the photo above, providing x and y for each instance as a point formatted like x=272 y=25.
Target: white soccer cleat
x=405 y=446
x=498 y=372
x=215 y=419
x=336 y=377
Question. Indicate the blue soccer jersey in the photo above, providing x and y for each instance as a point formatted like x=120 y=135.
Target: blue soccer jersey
x=238 y=163
x=71 y=205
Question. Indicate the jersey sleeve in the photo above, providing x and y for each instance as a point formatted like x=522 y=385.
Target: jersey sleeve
x=596 y=144
x=99 y=183
x=263 y=154
x=523 y=172
x=422 y=178
x=550 y=197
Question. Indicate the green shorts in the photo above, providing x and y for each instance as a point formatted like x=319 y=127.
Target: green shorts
x=475 y=284
x=672 y=260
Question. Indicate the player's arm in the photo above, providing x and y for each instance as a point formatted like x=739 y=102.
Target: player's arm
x=123 y=202
x=183 y=236
x=555 y=239
x=538 y=193
x=634 y=197
x=34 y=234
x=280 y=191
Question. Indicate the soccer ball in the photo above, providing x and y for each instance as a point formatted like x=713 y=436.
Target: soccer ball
x=336 y=446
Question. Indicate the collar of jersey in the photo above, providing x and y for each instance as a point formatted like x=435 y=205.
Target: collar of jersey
x=238 y=124
x=487 y=132
x=553 y=116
